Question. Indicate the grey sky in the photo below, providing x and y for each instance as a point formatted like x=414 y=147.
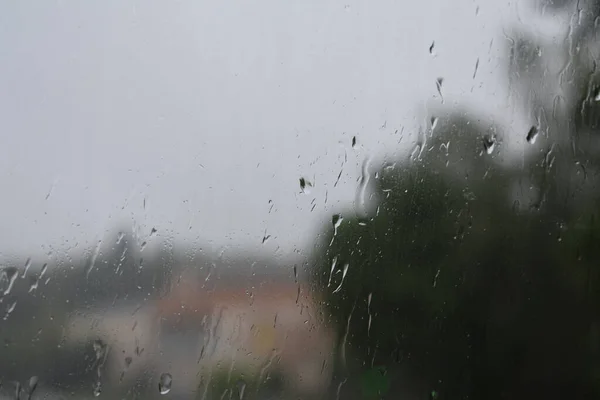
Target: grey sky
x=208 y=110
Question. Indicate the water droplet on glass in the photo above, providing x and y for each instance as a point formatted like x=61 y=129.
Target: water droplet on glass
x=360 y=202
x=95 y=254
x=431 y=47
x=489 y=144
x=305 y=185
x=344 y=272
x=597 y=96
x=336 y=220
x=435 y=278
x=333 y=264
x=153 y=231
x=99 y=348
x=97 y=389
x=241 y=388
x=120 y=237
x=26 y=268
x=469 y=196
x=369 y=311
x=434 y=121
x=33 y=285
x=438 y=83
x=8 y=276
x=18 y=390
x=265 y=238
x=165 y=382
x=353 y=141
x=532 y=134
x=10 y=309
x=43 y=271
x=33 y=382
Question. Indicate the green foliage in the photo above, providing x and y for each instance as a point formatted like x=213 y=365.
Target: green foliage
x=459 y=287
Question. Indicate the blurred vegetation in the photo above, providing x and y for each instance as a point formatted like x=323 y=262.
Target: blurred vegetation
x=474 y=278
x=34 y=335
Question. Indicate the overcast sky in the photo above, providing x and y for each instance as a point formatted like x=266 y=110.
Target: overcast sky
x=205 y=111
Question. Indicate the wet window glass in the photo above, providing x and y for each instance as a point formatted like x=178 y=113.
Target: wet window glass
x=300 y=200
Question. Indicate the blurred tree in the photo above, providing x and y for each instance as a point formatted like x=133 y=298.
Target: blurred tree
x=462 y=284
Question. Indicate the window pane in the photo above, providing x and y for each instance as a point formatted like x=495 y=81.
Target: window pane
x=314 y=200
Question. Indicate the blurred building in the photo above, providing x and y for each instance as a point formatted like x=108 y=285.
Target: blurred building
x=215 y=329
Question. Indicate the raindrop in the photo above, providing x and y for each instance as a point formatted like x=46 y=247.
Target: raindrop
x=431 y=47
x=99 y=349
x=353 y=141
x=165 y=382
x=435 y=278
x=27 y=266
x=344 y=272
x=43 y=271
x=265 y=238
x=241 y=388
x=532 y=134
x=416 y=152
x=336 y=220
x=438 y=83
x=434 y=122
x=469 y=196
x=153 y=231
x=33 y=382
x=345 y=338
x=597 y=95
x=10 y=309
x=92 y=262
x=369 y=311
x=272 y=205
x=445 y=147
x=339 y=388
x=333 y=264
x=8 y=274
x=18 y=390
x=296 y=273
x=49 y=192
x=476 y=68
x=305 y=185
x=128 y=361
x=489 y=144
x=360 y=201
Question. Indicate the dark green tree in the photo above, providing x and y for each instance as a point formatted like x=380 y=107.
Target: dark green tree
x=474 y=279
